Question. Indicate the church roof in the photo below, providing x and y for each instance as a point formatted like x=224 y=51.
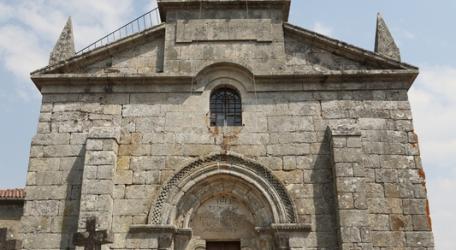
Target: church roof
x=12 y=194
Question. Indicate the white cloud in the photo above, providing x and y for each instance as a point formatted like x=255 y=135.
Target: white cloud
x=442 y=212
x=5 y=11
x=322 y=29
x=30 y=28
x=20 y=50
x=434 y=108
x=408 y=34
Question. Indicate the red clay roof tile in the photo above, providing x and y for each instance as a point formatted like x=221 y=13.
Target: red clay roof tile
x=12 y=194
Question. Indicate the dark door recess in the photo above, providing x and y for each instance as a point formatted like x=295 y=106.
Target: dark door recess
x=219 y=245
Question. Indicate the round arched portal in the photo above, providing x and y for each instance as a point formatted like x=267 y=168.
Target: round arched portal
x=223 y=207
x=224 y=198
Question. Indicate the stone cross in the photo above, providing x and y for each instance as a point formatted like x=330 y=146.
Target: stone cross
x=92 y=239
x=6 y=244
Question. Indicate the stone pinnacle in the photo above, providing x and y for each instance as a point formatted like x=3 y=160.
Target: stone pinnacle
x=384 y=41
x=64 y=48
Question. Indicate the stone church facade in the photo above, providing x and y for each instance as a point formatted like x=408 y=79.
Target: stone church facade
x=226 y=127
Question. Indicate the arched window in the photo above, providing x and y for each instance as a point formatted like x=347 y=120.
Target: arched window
x=226 y=108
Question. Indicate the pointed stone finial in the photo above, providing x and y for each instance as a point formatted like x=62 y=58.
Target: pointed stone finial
x=64 y=48
x=384 y=41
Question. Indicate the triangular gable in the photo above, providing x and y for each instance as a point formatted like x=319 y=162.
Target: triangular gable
x=305 y=53
x=304 y=57
x=308 y=51
x=122 y=56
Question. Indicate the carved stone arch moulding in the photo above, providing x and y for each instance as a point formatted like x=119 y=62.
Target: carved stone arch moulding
x=239 y=76
x=163 y=212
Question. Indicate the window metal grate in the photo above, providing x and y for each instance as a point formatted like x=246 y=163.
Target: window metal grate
x=226 y=108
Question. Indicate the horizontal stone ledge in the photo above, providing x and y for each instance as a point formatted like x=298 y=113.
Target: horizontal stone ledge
x=160 y=229
x=330 y=80
x=345 y=130
x=287 y=227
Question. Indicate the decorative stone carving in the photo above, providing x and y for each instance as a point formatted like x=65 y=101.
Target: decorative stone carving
x=234 y=163
x=228 y=197
x=92 y=239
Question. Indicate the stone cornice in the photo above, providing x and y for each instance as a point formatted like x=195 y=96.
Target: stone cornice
x=331 y=80
x=282 y=228
x=160 y=229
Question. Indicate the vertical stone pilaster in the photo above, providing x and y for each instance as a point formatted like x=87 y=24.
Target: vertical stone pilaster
x=350 y=188
x=97 y=182
x=288 y=236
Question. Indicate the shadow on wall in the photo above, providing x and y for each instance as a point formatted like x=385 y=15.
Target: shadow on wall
x=10 y=216
x=72 y=201
x=324 y=200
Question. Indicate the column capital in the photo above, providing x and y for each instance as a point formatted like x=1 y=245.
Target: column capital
x=105 y=133
x=345 y=130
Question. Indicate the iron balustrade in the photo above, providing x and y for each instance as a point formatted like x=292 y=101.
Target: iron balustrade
x=146 y=21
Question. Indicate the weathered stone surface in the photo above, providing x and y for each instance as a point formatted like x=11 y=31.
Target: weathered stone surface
x=139 y=110
x=384 y=41
x=105 y=133
x=101 y=158
x=46 y=192
x=64 y=48
x=44 y=164
x=147 y=163
x=129 y=207
x=326 y=132
x=234 y=30
x=288 y=149
x=419 y=239
x=388 y=239
x=290 y=123
x=51 y=139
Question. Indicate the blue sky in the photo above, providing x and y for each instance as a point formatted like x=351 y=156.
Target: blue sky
x=424 y=31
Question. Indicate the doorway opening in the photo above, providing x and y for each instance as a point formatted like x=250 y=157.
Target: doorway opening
x=223 y=245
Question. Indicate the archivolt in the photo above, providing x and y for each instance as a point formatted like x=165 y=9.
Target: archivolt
x=249 y=171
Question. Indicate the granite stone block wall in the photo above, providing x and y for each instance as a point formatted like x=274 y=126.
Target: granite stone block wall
x=328 y=123
x=162 y=132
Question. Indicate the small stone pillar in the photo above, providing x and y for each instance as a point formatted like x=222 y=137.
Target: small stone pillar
x=97 y=181
x=350 y=188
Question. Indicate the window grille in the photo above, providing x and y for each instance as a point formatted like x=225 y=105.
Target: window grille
x=226 y=108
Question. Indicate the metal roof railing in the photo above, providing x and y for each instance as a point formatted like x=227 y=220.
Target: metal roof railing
x=146 y=21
